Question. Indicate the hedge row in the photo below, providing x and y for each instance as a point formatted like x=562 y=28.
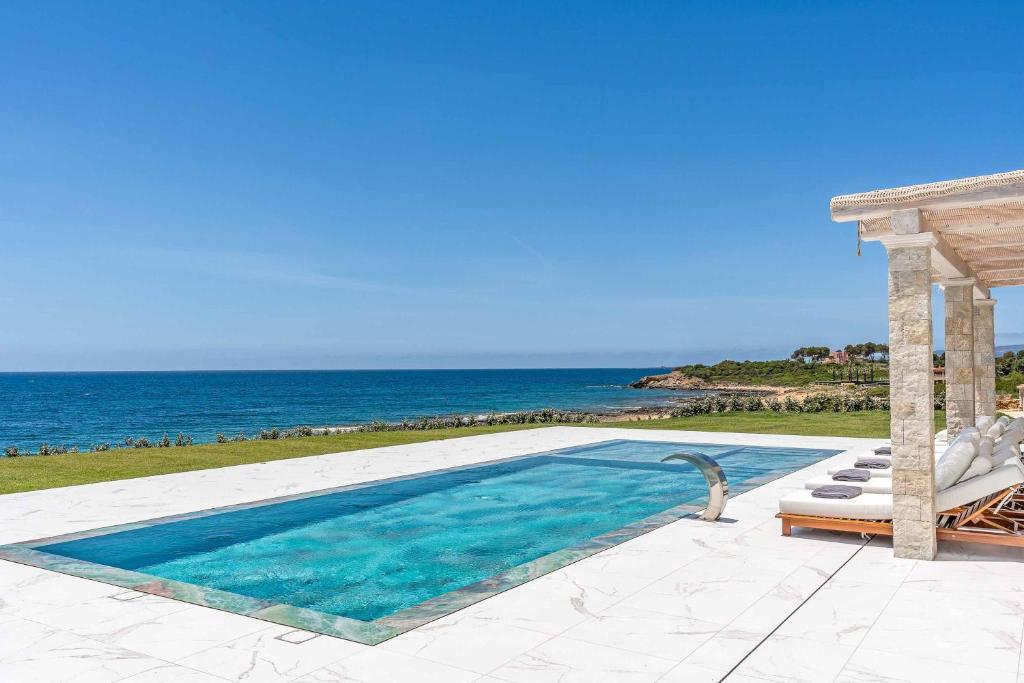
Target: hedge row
x=815 y=403
x=454 y=421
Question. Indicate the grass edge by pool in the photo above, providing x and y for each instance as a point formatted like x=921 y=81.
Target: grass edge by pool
x=45 y=472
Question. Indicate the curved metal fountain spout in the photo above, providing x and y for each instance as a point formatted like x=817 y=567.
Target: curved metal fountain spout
x=718 y=485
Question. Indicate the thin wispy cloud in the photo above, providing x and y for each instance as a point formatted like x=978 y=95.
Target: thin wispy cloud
x=264 y=267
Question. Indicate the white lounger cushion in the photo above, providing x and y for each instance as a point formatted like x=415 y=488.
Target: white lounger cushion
x=954 y=462
x=864 y=506
x=1005 y=450
x=1002 y=477
x=872 y=485
x=1015 y=431
x=982 y=464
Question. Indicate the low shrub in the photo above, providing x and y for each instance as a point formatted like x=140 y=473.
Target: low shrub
x=814 y=403
x=454 y=421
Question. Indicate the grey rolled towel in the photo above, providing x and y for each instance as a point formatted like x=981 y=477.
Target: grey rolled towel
x=836 y=491
x=873 y=463
x=883 y=450
x=851 y=475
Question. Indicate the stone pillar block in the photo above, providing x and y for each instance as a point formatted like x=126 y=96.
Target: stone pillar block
x=911 y=384
x=984 y=357
x=959 y=355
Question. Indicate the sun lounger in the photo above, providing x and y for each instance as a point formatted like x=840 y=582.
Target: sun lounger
x=868 y=506
x=982 y=509
x=851 y=460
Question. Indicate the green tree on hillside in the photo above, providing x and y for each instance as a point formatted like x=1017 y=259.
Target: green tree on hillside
x=867 y=350
x=812 y=353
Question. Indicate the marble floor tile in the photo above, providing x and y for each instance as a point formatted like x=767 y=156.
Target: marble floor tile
x=872 y=666
x=781 y=600
x=988 y=638
x=634 y=559
x=172 y=673
x=384 y=666
x=104 y=618
x=467 y=642
x=649 y=633
x=183 y=633
x=708 y=599
x=723 y=650
x=838 y=614
x=795 y=660
x=589 y=587
x=28 y=594
x=563 y=660
x=533 y=609
x=690 y=673
x=36 y=652
x=262 y=656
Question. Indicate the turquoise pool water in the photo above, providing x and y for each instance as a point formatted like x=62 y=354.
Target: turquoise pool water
x=372 y=551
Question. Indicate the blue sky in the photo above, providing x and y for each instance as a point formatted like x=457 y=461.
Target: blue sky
x=287 y=185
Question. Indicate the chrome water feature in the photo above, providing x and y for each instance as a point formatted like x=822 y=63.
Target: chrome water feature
x=718 y=485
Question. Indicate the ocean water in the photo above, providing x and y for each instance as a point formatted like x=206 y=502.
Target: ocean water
x=369 y=552
x=83 y=409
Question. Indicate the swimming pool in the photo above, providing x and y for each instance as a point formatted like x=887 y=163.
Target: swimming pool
x=370 y=561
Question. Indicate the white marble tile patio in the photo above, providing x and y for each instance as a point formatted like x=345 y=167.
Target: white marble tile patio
x=691 y=601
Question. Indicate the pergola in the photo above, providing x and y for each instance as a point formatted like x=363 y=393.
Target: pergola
x=967 y=236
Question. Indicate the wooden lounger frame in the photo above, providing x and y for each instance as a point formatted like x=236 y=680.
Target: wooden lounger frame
x=996 y=520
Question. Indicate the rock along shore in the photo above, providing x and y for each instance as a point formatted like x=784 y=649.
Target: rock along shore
x=679 y=381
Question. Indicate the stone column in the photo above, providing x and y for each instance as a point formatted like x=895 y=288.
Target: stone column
x=910 y=390
x=959 y=354
x=984 y=357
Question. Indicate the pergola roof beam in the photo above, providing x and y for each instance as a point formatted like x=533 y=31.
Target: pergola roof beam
x=951 y=194
x=946 y=263
x=978 y=224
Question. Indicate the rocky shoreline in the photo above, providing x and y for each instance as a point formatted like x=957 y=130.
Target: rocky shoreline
x=678 y=381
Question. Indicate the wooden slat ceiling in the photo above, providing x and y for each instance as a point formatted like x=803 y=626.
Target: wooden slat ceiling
x=990 y=239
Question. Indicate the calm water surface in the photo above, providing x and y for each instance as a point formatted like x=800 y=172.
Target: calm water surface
x=87 y=408
x=369 y=552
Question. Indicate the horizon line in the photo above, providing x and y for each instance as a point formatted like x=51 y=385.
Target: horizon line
x=470 y=369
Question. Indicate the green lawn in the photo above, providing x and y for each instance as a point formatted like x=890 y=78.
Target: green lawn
x=869 y=423
x=42 y=472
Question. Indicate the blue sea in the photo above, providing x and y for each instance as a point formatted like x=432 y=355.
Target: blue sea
x=85 y=408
